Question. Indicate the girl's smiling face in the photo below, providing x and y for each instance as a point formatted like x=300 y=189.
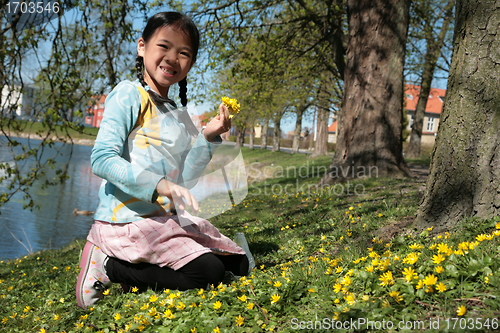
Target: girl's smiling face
x=168 y=57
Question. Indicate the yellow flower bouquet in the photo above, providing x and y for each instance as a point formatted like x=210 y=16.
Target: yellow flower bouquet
x=232 y=105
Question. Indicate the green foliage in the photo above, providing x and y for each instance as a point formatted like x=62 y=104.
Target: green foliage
x=54 y=71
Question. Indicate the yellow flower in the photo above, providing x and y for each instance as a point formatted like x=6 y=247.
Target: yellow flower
x=369 y=269
x=409 y=273
x=439 y=269
x=242 y=298
x=346 y=281
x=277 y=284
x=153 y=298
x=217 y=330
x=57 y=317
x=239 y=320
x=461 y=310
x=168 y=314
x=411 y=258
x=135 y=289
x=275 y=298
x=250 y=306
x=437 y=259
x=118 y=316
x=386 y=279
x=337 y=287
x=481 y=237
x=430 y=280
x=181 y=306
x=349 y=298
x=441 y=287
x=152 y=312
x=193 y=330
x=105 y=292
x=217 y=305
x=416 y=246
x=232 y=105
x=145 y=306
x=395 y=294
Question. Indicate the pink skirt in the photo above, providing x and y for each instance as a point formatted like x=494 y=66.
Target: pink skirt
x=161 y=240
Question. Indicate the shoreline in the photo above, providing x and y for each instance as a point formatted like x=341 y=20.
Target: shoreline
x=77 y=141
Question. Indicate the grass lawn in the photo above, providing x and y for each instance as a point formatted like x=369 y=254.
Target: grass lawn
x=325 y=257
x=40 y=129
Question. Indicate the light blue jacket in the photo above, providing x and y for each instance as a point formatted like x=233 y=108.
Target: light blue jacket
x=137 y=145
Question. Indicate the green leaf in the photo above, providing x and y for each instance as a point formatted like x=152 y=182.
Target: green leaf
x=474 y=267
x=451 y=270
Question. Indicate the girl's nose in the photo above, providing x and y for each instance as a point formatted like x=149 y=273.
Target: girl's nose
x=171 y=58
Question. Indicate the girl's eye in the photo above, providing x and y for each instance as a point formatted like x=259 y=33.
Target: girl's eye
x=186 y=54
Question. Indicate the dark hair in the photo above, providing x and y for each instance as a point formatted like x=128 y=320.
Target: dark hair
x=182 y=22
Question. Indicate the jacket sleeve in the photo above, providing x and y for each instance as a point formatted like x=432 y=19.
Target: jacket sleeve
x=121 y=110
x=197 y=159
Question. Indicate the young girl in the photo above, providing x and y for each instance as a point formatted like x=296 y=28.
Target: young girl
x=145 y=156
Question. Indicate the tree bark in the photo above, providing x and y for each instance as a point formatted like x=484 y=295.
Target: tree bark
x=276 y=135
x=240 y=138
x=263 y=135
x=370 y=133
x=431 y=57
x=298 y=128
x=320 y=145
x=464 y=178
x=251 y=139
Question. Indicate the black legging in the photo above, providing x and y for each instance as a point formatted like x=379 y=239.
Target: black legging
x=205 y=270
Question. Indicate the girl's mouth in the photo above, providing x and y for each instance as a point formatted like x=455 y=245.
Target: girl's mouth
x=168 y=71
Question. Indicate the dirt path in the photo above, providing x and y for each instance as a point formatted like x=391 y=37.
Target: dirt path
x=421 y=171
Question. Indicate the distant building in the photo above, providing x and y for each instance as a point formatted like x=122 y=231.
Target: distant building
x=95 y=113
x=332 y=131
x=433 y=111
x=22 y=104
x=431 y=117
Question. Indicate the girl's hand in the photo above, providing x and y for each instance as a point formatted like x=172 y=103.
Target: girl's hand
x=218 y=125
x=176 y=193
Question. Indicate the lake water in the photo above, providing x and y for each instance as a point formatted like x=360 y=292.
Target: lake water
x=54 y=225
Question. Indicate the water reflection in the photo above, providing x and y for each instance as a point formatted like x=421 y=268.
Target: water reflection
x=54 y=225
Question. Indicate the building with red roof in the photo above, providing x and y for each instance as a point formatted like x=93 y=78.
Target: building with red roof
x=433 y=111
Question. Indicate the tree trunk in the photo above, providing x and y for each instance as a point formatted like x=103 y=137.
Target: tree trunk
x=240 y=138
x=276 y=135
x=320 y=146
x=251 y=140
x=431 y=57
x=263 y=135
x=298 y=128
x=464 y=178
x=371 y=128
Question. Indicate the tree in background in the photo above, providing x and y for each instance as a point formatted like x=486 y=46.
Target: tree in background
x=304 y=33
x=464 y=176
x=372 y=108
x=431 y=22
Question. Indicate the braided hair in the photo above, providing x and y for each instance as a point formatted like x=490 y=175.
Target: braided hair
x=160 y=20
